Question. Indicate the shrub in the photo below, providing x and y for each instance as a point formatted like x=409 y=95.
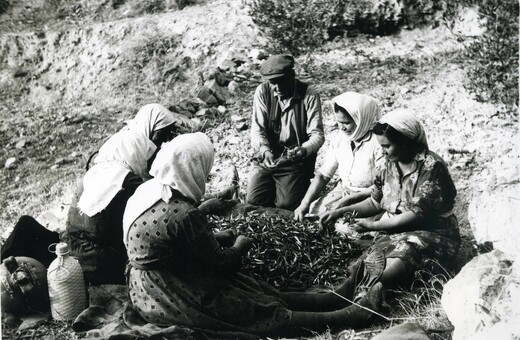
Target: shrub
x=371 y=16
x=4 y=4
x=298 y=26
x=493 y=71
x=295 y=26
x=422 y=12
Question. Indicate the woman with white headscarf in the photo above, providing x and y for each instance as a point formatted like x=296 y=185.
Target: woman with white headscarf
x=94 y=222
x=416 y=193
x=181 y=273
x=354 y=155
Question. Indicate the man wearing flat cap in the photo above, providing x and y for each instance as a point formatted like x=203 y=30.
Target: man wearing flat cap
x=286 y=132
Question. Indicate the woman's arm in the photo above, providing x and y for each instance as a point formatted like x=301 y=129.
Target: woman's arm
x=365 y=208
x=353 y=198
x=207 y=250
x=318 y=183
x=393 y=224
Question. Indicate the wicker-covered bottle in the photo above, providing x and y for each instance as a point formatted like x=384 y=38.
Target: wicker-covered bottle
x=67 y=291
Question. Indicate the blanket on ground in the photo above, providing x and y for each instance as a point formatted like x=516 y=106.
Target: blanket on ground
x=110 y=316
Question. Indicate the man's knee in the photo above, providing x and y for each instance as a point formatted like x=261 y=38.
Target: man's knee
x=288 y=203
x=260 y=189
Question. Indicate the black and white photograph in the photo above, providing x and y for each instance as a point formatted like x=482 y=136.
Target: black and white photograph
x=259 y=169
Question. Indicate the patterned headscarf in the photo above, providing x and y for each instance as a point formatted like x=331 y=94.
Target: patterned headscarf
x=406 y=123
x=363 y=109
x=124 y=152
x=182 y=164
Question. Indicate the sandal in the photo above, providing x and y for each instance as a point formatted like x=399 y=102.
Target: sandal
x=373 y=266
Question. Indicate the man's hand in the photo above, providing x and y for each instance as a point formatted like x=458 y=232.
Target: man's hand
x=300 y=212
x=297 y=153
x=269 y=161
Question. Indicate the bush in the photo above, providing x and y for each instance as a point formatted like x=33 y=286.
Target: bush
x=371 y=16
x=298 y=26
x=422 y=12
x=493 y=71
x=4 y=4
x=295 y=26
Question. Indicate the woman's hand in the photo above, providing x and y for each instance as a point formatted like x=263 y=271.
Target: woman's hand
x=300 y=212
x=243 y=244
x=226 y=238
x=343 y=202
x=362 y=226
x=327 y=220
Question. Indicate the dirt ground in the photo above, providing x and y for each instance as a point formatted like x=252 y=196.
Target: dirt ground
x=66 y=86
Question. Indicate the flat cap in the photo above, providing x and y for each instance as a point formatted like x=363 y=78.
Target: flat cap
x=276 y=66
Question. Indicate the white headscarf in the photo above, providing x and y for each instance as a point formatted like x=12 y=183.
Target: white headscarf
x=183 y=164
x=124 y=152
x=406 y=123
x=363 y=109
x=150 y=118
x=127 y=150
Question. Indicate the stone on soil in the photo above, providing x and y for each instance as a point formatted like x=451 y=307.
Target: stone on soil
x=484 y=298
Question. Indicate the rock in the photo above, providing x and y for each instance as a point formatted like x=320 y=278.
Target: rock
x=405 y=331
x=500 y=330
x=53 y=219
x=485 y=292
x=187 y=105
x=220 y=77
x=494 y=217
x=237 y=118
x=233 y=86
x=201 y=112
x=419 y=89
x=60 y=161
x=234 y=140
x=55 y=166
x=196 y=121
x=206 y=95
x=258 y=54
x=221 y=109
x=20 y=73
x=242 y=126
x=220 y=93
x=404 y=90
x=21 y=144
x=238 y=57
x=468 y=23
x=227 y=65
x=10 y=163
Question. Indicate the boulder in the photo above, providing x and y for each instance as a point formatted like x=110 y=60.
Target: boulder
x=484 y=298
x=10 y=163
x=258 y=54
x=405 y=331
x=233 y=86
x=494 y=216
x=220 y=93
x=206 y=95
